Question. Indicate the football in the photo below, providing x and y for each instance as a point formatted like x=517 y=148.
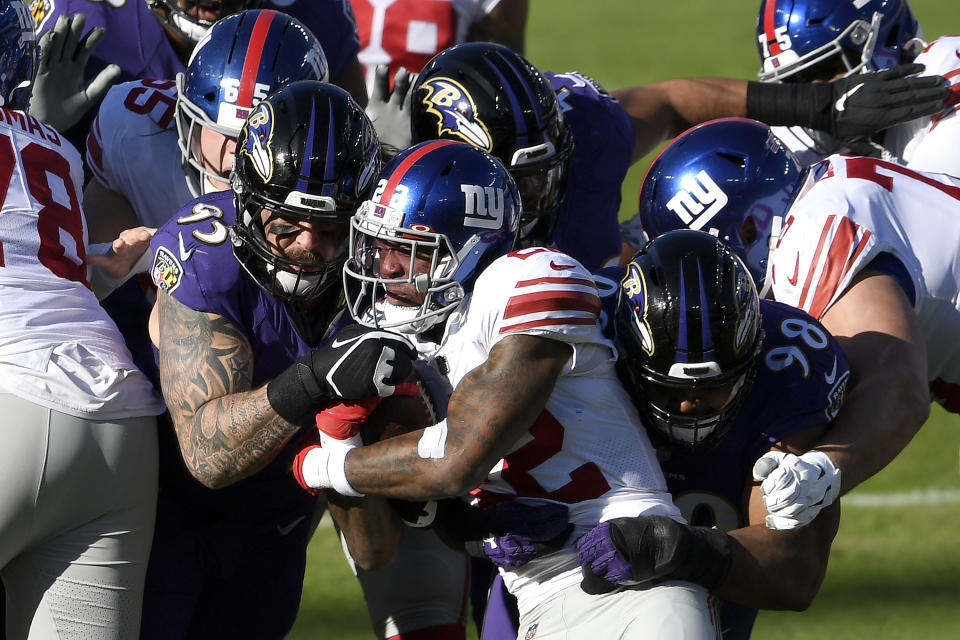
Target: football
x=412 y=407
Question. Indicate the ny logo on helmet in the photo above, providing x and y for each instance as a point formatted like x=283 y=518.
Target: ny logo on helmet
x=456 y=112
x=699 y=201
x=483 y=206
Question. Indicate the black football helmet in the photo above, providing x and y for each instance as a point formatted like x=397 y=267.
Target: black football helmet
x=491 y=97
x=309 y=153
x=18 y=55
x=687 y=320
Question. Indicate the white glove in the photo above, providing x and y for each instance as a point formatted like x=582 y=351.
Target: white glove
x=795 y=489
x=390 y=112
x=61 y=96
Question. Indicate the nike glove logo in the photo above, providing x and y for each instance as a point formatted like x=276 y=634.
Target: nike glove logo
x=841 y=103
x=833 y=374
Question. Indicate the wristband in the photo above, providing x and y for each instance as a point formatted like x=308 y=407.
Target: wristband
x=790 y=104
x=291 y=394
x=337 y=472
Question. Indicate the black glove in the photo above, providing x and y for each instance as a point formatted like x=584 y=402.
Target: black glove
x=357 y=363
x=646 y=548
x=851 y=107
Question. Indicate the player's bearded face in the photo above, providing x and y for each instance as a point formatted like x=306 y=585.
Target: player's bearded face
x=397 y=262
x=215 y=152
x=211 y=10
x=306 y=243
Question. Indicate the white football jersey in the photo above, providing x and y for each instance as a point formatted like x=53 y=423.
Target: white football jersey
x=930 y=143
x=58 y=347
x=132 y=149
x=588 y=449
x=855 y=209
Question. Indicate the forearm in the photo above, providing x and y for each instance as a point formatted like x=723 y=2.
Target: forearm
x=879 y=418
x=370 y=527
x=780 y=569
x=231 y=437
x=662 y=110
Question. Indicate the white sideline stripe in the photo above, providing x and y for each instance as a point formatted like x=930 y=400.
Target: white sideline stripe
x=901 y=498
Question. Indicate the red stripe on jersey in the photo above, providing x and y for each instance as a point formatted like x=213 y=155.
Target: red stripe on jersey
x=557 y=280
x=251 y=63
x=836 y=265
x=552 y=301
x=402 y=168
x=545 y=322
x=816 y=258
x=94 y=149
x=769 y=28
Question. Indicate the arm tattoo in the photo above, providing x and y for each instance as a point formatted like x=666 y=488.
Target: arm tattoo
x=491 y=408
x=226 y=430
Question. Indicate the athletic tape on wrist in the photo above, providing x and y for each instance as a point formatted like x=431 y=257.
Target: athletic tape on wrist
x=433 y=440
x=337 y=473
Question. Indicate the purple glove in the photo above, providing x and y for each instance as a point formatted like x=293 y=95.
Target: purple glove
x=602 y=565
x=519 y=533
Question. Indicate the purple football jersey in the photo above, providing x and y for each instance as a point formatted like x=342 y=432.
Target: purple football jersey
x=603 y=142
x=194 y=263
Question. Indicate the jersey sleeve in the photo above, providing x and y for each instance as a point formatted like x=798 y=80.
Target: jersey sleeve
x=828 y=236
x=129 y=114
x=540 y=292
x=193 y=258
x=802 y=374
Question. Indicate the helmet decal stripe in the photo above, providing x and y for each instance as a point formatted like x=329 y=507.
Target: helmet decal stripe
x=683 y=346
x=251 y=63
x=706 y=334
x=769 y=12
x=515 y=108
x=306 y=162
x=409 y=161
x=330 y=161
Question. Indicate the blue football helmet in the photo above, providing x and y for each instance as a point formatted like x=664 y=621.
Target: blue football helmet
x=687 y=322
x=806 y=40
x=493 y=98
x=731 y=177
x=18 y=54
x=440 y=203
x=177 y=16
x=241 y=60
x=308 y=153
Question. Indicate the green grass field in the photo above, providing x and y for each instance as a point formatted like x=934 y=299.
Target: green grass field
x=895 y=567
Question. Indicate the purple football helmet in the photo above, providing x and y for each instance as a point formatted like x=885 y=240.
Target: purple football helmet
x=732 y=178
x=807 y=40
x=443 y=202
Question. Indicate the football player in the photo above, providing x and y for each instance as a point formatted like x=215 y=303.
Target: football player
x=536 y=415
x=249 y=281
x=571 y=153
x=719 y=378
x=189 y=127
x=821 y=40
x=865 y=246
x=155 y=38
x=79 y=457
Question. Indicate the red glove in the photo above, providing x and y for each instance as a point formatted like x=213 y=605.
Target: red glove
x=343 y=421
